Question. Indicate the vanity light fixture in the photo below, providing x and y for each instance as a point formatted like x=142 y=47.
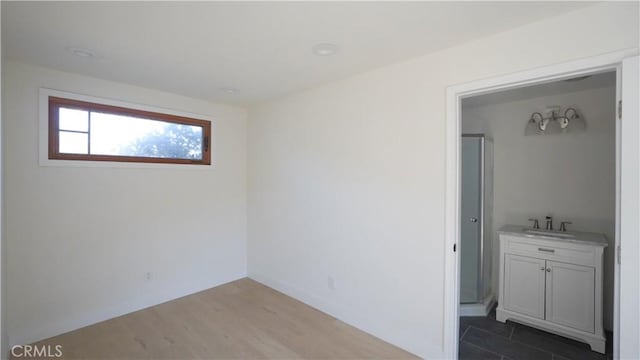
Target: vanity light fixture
x=570 y=121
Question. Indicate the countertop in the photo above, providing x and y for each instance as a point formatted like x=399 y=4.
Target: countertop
x=588 y=238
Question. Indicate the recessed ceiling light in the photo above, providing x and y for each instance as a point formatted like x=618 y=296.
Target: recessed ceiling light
x=325 y=49
x=228 y=90
x=85 y=53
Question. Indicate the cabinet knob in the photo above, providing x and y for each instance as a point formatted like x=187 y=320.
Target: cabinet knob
x=542 y=268
x=473 y=219
x=548 y=269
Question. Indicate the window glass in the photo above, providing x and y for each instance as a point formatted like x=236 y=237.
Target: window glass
x=87 y=131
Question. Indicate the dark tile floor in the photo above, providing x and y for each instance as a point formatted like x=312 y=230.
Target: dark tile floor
x=486 y=338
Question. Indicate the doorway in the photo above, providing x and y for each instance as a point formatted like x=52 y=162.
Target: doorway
x=554 y=178
x=626 y=172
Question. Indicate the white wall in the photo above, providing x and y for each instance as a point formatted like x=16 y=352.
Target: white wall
x=80 y=240
x=570 y=177
x=347 y=180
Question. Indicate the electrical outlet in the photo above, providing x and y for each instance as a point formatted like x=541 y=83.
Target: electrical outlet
x=331 y=284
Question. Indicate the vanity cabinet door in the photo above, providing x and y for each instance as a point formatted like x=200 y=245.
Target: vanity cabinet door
x=524 y=285
x=570 y=295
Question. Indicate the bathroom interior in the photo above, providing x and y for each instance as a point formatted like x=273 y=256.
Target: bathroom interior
x=538 y=221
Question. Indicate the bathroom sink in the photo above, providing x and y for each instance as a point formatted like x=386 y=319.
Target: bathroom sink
x=563 y=235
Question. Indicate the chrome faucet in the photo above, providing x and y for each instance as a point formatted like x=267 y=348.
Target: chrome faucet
x=563 y=226
x=549 y=223
x=536 y=224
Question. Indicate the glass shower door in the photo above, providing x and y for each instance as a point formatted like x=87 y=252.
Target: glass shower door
x=471 y=221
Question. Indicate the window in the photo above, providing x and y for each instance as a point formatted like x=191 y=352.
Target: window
x=80 y=130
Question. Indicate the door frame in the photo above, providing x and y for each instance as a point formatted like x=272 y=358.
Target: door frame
x=454 y=96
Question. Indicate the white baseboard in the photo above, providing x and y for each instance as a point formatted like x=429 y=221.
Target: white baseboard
x=479 y=309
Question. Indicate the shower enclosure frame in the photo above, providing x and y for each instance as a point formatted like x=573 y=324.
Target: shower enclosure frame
x=483 y=280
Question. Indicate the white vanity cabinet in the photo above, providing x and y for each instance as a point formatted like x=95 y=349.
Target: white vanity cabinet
x=524 y=285
x=553 y=283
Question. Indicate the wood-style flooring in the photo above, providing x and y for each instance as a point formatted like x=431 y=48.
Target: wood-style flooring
x=239 y=320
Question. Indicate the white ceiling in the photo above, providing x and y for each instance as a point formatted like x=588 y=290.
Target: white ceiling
x=261 y=48
x=595 y=81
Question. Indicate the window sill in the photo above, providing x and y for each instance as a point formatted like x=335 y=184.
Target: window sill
x=117 y=164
